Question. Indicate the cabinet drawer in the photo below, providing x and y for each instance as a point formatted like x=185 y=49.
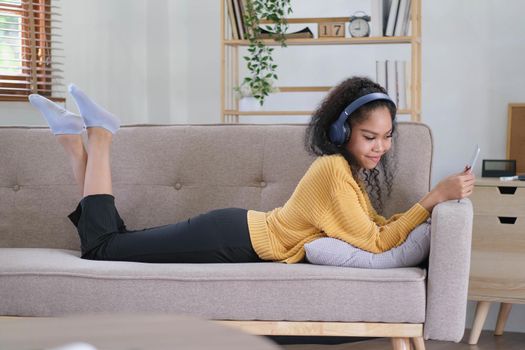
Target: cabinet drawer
x=491 y=200
x=503 y=234
x=495 y=274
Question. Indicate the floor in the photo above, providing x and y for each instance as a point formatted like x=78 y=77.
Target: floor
x=508 y=341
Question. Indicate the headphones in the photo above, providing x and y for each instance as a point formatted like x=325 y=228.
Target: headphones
x=340 y=130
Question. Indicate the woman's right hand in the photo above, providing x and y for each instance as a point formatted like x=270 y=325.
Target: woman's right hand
x=455 y=186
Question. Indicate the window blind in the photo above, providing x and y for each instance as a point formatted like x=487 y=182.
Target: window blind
x=31 y=58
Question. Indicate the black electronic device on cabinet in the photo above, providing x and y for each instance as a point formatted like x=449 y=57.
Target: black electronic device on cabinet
x=498 y=167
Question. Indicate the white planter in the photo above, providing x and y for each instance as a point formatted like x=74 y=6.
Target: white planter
x=249 y=104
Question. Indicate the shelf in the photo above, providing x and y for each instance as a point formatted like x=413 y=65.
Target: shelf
x=304 y=88
x=233 y=49
x=332 y=41
x=256 y=113
x=310 y=20
x=297 y=113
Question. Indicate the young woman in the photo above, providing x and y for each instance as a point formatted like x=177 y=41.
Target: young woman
x=351 y=132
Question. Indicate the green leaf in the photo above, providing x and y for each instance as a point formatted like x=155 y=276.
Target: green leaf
x=259 y=60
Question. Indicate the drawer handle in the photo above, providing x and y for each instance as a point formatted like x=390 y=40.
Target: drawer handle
x=507 y=189
x=507 y=220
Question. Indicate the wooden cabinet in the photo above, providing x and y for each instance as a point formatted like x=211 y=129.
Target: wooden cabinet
x=231 y=59
x=497 y=271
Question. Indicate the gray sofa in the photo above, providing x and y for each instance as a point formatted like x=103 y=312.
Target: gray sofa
x=163 y=174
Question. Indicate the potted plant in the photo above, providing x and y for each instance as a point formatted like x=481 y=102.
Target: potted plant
x=247 y=96
x=260 y=82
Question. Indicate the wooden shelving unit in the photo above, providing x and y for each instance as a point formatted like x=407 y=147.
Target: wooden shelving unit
x=331 y=41
x=230 y=63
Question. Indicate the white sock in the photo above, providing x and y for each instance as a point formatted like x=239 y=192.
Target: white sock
x=60 y=120
x=93 y=114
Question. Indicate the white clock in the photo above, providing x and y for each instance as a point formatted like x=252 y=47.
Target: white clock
x=359 y=26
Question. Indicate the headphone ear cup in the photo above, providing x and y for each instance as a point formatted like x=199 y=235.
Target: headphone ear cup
x=339 y=135
x=336 y=134
x=347 y=130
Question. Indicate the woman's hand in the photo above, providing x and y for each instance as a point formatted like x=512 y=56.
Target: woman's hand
x=455 y=186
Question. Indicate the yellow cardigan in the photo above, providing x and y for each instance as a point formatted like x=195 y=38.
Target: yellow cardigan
x=328 y=202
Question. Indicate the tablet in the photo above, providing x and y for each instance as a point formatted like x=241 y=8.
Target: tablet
x=474 y=158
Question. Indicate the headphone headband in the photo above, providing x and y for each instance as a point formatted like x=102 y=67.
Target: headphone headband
x=338 y=133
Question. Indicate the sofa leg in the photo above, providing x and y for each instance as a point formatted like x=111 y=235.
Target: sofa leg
x=401 y=344
x=419 y=343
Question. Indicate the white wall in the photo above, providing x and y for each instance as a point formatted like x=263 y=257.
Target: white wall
x=158 y=61
x=471 y=71
x=148 y=61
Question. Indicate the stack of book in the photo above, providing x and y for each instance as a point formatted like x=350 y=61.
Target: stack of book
x=394 y=76
x=390 y=18
x=236 y=10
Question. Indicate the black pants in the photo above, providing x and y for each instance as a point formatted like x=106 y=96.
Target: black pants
x=219 y=236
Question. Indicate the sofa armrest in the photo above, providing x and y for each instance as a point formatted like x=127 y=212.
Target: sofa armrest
x=448 y=270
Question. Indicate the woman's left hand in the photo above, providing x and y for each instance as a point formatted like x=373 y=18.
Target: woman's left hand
x=455 y=186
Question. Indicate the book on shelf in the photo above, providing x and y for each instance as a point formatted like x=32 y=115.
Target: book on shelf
x=394 y=76
x=384 y=16
x=401 y=84
x=233 y=19
x=391 y=83
x=303 y=33
x=242 y=8
x=392 y=16
x=403 y=16
x=239 y=18
x=376 y=18
x=381 y=73
x=408 y=85
x=236 y=10
x=386 y=11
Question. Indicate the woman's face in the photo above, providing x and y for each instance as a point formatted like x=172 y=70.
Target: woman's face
x=371 y=138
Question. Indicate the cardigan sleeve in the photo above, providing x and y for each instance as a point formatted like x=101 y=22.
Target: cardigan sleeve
x=347 y=220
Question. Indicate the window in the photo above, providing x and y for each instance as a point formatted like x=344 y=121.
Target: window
x=29 y=52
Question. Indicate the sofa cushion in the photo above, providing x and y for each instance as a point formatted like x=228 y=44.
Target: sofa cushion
x=56 y=282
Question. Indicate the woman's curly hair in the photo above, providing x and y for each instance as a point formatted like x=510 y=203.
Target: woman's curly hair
x=318 y=143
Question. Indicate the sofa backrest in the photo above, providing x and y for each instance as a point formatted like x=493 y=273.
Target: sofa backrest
x=163 y=174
